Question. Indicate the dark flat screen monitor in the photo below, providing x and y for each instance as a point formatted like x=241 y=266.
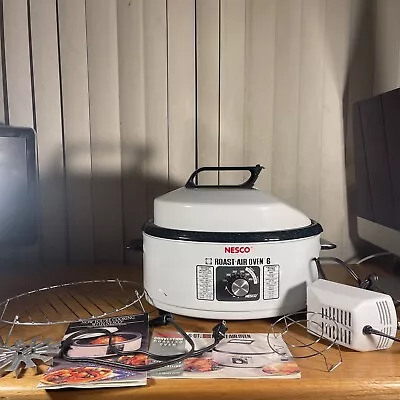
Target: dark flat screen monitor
x=18 y=187
x=376 y=128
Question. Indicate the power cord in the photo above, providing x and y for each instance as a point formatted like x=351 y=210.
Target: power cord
x=369 y=330
x=321 y=273
x=218 y=334
x=369 y=283
x=344 y=265
x=372 y=256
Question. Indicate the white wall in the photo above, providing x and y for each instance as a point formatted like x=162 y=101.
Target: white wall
x=129 y=96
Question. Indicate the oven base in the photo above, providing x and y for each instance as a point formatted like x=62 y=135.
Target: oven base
x=227 y=315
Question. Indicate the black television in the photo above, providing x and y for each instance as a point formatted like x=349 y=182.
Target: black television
x=18 y=187
x=376 y=129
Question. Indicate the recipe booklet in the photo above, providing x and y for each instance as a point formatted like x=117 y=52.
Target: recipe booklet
x=238 y=355
x=130 y=333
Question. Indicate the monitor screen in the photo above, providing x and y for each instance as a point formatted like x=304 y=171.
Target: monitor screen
x=376 y=123
x=18 y=192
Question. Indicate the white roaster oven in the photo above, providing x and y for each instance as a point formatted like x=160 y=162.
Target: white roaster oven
x=228 y=252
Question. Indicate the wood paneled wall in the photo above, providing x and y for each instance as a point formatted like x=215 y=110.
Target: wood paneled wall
x=129 y=96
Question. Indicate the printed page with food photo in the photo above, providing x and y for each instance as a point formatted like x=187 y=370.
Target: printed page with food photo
x=90 y=339
x=238 y=355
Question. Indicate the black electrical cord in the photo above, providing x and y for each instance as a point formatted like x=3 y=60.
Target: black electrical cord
x=344 y=265
x=162 y=361
x=218 y=335
x=369 y=283
x=321 y=273
x=369 y=330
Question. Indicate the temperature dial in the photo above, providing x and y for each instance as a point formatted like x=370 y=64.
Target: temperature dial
x=240 y=287
x=238 y=284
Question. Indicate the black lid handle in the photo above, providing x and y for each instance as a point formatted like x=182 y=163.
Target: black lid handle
x=254 y=173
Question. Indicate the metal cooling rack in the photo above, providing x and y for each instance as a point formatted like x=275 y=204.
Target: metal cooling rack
x=71 y=302
x=295 y=331
x=59 y=304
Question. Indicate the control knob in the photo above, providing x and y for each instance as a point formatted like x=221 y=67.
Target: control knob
x=239 y=286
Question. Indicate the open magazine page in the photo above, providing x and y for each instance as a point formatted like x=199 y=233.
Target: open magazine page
x=130 y=333
x=239 y=355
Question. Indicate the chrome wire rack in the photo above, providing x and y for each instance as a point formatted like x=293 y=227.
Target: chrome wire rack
x=71 y=302
x=305 y=338
x=59 y=304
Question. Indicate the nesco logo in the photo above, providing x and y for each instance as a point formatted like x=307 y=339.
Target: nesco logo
x=237 y=249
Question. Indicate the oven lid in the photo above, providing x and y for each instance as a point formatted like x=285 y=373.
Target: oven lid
x=236 y=208
x=225 y=210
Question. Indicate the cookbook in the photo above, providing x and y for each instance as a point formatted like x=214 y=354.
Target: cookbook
x=238 y=355
x=130 y=333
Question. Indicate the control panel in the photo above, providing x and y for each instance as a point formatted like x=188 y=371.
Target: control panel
x=238 y=284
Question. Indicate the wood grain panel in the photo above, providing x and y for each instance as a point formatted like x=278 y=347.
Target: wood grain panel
x=332 y=178
x=259 y=92
x=19 y=96
x=310 y=106
x=101 y=20
x=286 y=100
x=181 y=90
x=49 y=130
x=2 y=111
x=398 y=69
x=132 y=116
x=387 y=45
x=353 y=379
x=156 y=114
x=17 y=60
x=2 y=71
x=232 y=73
x=75 y=101
x=360 y=85
x=256 y=81
x=207 y=46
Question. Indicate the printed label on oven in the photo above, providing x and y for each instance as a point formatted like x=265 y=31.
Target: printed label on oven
x=205 y=282
x=271 y=282
x=251 y=261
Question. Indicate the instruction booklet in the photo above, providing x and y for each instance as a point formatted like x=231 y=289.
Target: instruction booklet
x=238 y=355
x=130 y=333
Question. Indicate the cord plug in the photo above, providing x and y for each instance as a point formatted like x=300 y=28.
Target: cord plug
x=219 y=331
x=162 y=320
x=368 y=330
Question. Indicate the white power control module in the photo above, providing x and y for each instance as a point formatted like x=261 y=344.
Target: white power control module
x=356 y=318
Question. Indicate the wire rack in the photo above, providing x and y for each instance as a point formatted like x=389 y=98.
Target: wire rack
x=305 y=337
x=59 y=304
x=71 y=302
